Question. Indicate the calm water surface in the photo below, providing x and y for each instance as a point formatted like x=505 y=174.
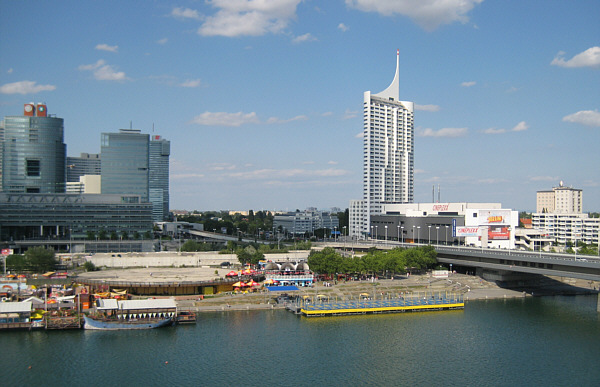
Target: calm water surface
x=549 y=341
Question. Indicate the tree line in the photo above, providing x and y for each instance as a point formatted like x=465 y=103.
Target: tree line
x=396 y=261
x=36 y=259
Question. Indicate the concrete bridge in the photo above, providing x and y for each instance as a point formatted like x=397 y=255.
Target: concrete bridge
x=500 y=264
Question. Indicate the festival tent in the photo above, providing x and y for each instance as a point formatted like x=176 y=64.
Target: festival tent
x=239 y=284
x=231 y=274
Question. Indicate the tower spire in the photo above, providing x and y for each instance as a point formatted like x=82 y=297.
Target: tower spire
x=393 y=90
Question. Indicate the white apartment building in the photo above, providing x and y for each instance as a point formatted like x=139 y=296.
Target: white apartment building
x=560 y=200
x=568 y=227
x=388 y=154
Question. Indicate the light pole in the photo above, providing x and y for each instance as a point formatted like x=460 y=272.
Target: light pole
x=385 y=234
x=371 y=233
x=334 y=233
x=377 y=232
x=437 y=232
x=446 y=234
x=402 y=227
x=398 y=233
x=413 y=233
x=429 y=238
x=418 y=234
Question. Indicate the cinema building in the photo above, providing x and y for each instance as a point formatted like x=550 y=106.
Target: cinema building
x=470 y=224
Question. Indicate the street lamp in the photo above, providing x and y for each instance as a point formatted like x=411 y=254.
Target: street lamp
x=386 y=234
x=446 y=234
x=371 y=233
x=377 y=232
x=418 y=234
x=437 y=232
x=429 y=238
x=398 y=233
x=413 y=232
x=335 y=233
x=402 y=227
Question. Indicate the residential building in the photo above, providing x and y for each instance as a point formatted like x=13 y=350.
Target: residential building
x=85 y=164
x=388 y=154
x=158 y=177
x=560 y=200
x=570 y=228
x=125 y=163
x=299 y=223
x=33 y=152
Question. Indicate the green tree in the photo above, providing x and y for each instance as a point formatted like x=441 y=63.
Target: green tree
x=40 y=259
x=89 y=266
x=102 y=234
x=16 y=262
x=90 y=236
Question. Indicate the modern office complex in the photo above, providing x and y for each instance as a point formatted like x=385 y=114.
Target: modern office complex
x=388 y=154
x=158 y=183
x=85 y=164
x=33 y=152
x=300 y=223
x=560 y=200
x=125 y=163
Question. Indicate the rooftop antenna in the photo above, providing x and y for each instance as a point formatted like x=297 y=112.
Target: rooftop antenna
x=433 y=193
x=130 y=125
x=438 y=193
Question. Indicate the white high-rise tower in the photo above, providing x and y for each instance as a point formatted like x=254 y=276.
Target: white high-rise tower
x=388 y=165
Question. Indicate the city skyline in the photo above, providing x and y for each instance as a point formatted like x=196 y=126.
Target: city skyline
x=262 y=103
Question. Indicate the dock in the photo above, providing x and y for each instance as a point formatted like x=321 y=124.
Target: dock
x=409 y=303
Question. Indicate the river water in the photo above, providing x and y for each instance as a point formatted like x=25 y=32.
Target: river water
x=541 y=341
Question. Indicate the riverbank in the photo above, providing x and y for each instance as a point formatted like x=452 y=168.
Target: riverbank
x=472 y=288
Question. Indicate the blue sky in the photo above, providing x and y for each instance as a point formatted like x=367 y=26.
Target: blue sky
x=262 y=100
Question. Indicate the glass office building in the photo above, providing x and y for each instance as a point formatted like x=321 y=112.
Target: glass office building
x=50 y=216
x=85 y=164
x=125 y=163
x=158 y=183
x=33 y=152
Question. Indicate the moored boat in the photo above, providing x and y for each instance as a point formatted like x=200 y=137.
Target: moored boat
x=185 y=317
x=115 y=324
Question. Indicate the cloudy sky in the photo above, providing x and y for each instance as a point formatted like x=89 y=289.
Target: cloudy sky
x=262 y=100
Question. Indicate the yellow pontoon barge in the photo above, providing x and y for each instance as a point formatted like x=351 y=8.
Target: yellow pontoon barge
x=321 y=306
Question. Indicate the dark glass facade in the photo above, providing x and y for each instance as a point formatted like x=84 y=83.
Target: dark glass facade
x=34 y=155
x=27 y=216
x=124 y=163
x=159 y=152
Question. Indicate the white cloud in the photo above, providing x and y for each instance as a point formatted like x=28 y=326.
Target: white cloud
x=25 y=87
x=494 y=131
x=521 y=126
x=190 y=83
x=349 y=114
x=267 y=173
x=185 y=13
x=326 y=114
x=331 y=162
x=584 y=117
x=468 y=84
x=9 y=71
x=225 y=119
x=275 y=120
x=544 y=178
x=162 y=41
x=429 y=14
x=104 y=72
x=588 y=58
x=304 y=38
x=106 y=47
x=491 y=181
x=427 y=108
x=187 y=176
x=248 y=17
x=445 y=132
x=342 y=27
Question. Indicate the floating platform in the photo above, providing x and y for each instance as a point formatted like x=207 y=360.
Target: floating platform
x=398 y=305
